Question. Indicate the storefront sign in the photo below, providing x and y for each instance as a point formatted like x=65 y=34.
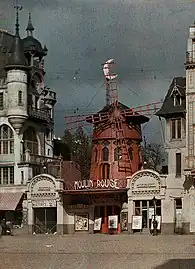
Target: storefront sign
x=97 y=224
x=43 y=184
x=44 y=203
x=146 y=186
x=44 y=189
x=145 y=182
x=96 y=184
x=137 y=223
x=78 y=206
x=113 y=222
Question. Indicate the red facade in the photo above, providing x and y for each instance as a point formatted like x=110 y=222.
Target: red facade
x=115 y=157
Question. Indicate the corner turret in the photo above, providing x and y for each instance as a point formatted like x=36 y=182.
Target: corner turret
x=17 y=81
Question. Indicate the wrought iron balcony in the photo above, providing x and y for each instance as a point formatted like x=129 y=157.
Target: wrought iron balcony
x=42 y=164
x=40 y=114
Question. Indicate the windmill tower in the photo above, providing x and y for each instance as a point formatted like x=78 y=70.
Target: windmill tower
x=116 y=150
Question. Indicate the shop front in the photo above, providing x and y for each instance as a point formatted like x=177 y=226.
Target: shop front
x=146 y=195
x=44 y=203
x=95 y=206
x=93 y=212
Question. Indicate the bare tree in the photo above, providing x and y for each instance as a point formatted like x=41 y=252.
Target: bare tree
x=80 y=147
x=153 y=156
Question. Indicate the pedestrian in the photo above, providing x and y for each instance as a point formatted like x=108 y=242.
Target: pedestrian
x=3 y=225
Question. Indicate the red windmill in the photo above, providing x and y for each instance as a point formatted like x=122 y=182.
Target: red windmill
x=116 y=140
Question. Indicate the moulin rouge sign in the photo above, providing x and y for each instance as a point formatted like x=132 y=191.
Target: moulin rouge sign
x=97 y=184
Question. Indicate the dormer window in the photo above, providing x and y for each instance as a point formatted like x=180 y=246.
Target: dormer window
x=177 y=99
x=176 y=95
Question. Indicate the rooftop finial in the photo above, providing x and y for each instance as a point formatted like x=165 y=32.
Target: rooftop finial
x=29 y=27
x=17 y=7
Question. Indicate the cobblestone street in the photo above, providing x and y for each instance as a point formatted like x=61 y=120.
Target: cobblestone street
x=97 y=251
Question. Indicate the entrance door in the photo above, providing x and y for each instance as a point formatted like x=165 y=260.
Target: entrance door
x=145 y=208
x=144 y=214
x=45 y=220
x=103 y=212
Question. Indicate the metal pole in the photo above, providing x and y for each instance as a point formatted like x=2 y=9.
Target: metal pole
x=155 y=222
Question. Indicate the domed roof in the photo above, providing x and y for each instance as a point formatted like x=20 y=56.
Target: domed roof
x=31 y=44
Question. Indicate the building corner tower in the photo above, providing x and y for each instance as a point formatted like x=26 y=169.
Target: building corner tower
x=16 y=70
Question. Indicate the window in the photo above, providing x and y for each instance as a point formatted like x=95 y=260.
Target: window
x=6 y=175
x=105 y=154
x=20 y=103
x=1 y=101
x=178 y=164
x=176 y=128
x=118 y=154
x=22 y=177
x=177 y=100
x=105 y=171
x=95 y=155
x=130 y=150
x=137 y=206
x=178 y=203
x=6 y=140
x=30 y=141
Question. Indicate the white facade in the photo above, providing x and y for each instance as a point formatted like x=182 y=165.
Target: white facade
x=26 y=118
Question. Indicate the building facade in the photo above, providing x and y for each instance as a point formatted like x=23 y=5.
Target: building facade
x=26 y=119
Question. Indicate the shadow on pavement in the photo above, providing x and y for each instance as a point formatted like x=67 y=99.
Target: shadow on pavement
x=178 y=264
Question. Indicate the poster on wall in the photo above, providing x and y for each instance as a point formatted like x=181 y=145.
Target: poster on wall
x=124 y=221
x=178 y=219
x=158 y=219
x=97 y=224
x=113 y=222
x=137 y=223
x=151 y=212
x=81 y=222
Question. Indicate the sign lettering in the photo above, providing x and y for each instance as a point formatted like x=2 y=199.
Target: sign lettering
x=99 y=184
x=146 y=185
x=47 y=189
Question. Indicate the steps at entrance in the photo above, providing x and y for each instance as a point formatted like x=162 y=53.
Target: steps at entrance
x=145 y=231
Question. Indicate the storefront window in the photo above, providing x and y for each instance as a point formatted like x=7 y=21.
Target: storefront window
x=137 y=208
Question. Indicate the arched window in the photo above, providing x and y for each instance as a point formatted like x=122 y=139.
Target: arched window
x=95 y=155
x=20 y=98
x=130 y=153
x=30 y=141
x=105 y=154
x=117 y=154
x=105 y=171
x=6 y=139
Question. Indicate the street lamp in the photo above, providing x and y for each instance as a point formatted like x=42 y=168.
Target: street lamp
x=154 y=222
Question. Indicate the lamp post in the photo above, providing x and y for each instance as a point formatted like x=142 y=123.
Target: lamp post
x=154 y=222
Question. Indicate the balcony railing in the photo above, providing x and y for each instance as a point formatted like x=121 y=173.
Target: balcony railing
x=40 y=114
x=42 y=164
x=37 y=159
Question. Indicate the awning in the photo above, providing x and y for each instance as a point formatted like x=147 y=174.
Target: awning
x=9 y=200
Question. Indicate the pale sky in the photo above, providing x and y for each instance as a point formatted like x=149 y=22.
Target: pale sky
x=147 y=39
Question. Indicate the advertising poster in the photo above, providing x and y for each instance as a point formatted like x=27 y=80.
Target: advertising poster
x=112 y=222
x=97 y=224
x=137 y=223
x=81 y=222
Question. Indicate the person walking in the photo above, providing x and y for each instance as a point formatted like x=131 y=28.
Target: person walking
x=3 y=225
